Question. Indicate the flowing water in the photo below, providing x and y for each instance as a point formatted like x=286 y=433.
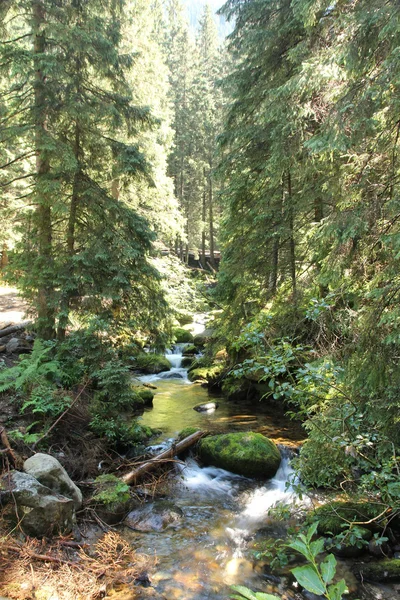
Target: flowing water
x=208 y=545
x=206 y=550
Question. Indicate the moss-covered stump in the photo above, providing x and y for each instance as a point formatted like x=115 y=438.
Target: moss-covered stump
x=182 y=336
x=335 y=516
x=152 y=363
x=249 y=454
x=386 y=570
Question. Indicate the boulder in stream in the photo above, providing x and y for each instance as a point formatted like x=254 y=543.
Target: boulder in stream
x=386 y=570
x=49 y=472
x=249 y=454
x=155 y=516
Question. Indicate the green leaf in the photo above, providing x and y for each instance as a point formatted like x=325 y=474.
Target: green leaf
x=328 y=568
x=312 y=530
x=300 y=547
x=308 y=579
x=317 y=546
x=335 y=592
x=244 y=592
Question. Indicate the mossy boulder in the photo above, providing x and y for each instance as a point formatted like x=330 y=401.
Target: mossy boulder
x=182 y=336
x=152 y=363
x=189 y=350
x=249 y=454
x=386 y=570
x=211 y=375
x=187 y=362
x=333 y=517
x=146 y=395
x=201 y=339
x=185 y=318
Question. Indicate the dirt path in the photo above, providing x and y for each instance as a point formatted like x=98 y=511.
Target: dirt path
x=12 y=307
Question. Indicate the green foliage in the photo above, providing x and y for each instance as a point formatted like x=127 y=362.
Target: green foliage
x=243 y=592
x=314 y=577
x=37 y=379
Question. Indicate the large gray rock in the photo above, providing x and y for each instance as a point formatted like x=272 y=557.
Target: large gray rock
x=40 y=512
x=49 y=472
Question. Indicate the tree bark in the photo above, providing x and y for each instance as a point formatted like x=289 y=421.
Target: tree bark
x=211 y=215
x=46 y=308
x=292 y=246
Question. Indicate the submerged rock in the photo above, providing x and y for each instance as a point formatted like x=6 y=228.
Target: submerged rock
x=249 y=454
x=49 y=472
x=207 y=407
x=156 y=516
x=40 y=511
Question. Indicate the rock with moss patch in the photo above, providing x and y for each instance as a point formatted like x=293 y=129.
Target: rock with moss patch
x=189 y=350
x=146 y=395
x=249 y=454
x=112 y=499
x=211 y=374
x=185 y=318
x=380 y=571
x=182 y=336
x=187 y=362
x=333 y=518
x=152 y=363
x=201 y=339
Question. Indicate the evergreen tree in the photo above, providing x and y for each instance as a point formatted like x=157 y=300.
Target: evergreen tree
x=82 y=246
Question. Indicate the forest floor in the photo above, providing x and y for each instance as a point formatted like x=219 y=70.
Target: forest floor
x=12 y=307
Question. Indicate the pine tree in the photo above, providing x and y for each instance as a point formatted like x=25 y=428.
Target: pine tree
x=82 y=246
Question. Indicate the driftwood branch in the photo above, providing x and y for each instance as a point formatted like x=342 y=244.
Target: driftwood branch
x=14 y=328
x=133 y=476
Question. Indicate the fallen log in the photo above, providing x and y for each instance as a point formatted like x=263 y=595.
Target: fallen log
x=14 y=328
x=16 y=460
x=133 y=476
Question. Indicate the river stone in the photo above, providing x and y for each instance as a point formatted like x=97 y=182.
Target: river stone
x=156 y=516
x=207 y=407
x=333 y=517
x=49 y=472
x=249 y=454
x=40 y=511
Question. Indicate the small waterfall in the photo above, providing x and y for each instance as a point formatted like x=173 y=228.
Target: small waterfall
x=176 y=372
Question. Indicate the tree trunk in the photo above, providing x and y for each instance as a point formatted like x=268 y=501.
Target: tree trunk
x=4 y=257
x=46 y=308
x=203 y=234
x=133 y=476
x=292 y=247
x=211 y=216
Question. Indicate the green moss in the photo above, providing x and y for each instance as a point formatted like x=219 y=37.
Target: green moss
x=187 y=362
x=146 y=395
x=109 y=489
x=152 y=363
x=186 y=432
x=189 y=350
x=209 y=374
x=333 y=518
x=182 y=336
x=249 y=454
x=185 y=318
x=380 y=571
